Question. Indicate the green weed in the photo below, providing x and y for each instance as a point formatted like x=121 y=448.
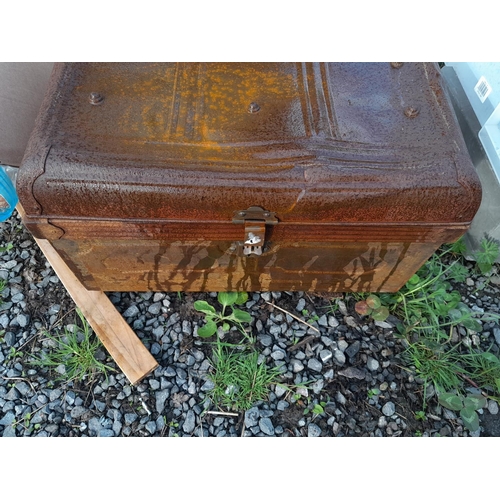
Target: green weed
x=310 y=318
x=75 y=350
x=317 y=409
x=466 y=405
x=7 y=248
x=372 y=306
x=14 y=353
x=239 y=379
x=213 y=318
x=430 y=310
x=484 y=369
x=2 y=288
x=486 y=256
x=420 y=415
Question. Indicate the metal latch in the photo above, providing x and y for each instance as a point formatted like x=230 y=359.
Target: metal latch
x=255 y=220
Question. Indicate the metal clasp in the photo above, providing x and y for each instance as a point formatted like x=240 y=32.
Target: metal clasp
x=255 y=220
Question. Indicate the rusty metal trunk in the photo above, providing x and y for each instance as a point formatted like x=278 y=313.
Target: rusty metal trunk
x=247 y=176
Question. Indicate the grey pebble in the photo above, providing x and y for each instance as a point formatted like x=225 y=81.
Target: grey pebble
x=325 y=355
x=493 y=407
x=342 y=345
x=282 y=405
x=323 y=321
x=55 y=394
x=54 y=309
x=18 y=297
x=155 y=308
x=252 y=417
x=9 y=338
x=218 y=421
x=266 y=426
x=130 y=418
x=158 y=332
x=131 y=312
x=372 y=364
x=389 y=409
x=151 y=427
x=341 y=399
x=189 y=422
x=8 y=418
x=333 y=322
x=353 y=349
x=265 y=340
x=22 y=320
x=317 y=387
x=106 y=433
x=94 y=425
x=9 y=431
x=154 y=384
x=23 y=388
x=278 y=354
x=279 y=391
x=160 y=423
x=301 y=304
x=315 y=365
x=78 y=412
x=4 y=321
x=313 y=430
x=339 y=356
x=70 y=397
x=117 y=427
x=12 y=395
x=161 y=398
x=275 y=330
x=327 y=341
x=496 y=333
x=297 y=365
x=207 y=386
x=384 y=324
x=100 y=405
x=449 y=414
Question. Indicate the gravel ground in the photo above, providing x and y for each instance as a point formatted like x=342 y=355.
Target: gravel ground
x=342 y=362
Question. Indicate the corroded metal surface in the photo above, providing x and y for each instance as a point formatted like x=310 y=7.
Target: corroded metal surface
x=117 y=265
x=151 y=150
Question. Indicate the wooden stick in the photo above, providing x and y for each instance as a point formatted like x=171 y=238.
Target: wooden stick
x=301 y=343
x=295 y=317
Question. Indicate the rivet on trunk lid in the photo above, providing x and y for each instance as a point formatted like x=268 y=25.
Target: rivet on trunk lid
x=95 y=98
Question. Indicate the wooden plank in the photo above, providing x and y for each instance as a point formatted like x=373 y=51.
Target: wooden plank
x=118 y=338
